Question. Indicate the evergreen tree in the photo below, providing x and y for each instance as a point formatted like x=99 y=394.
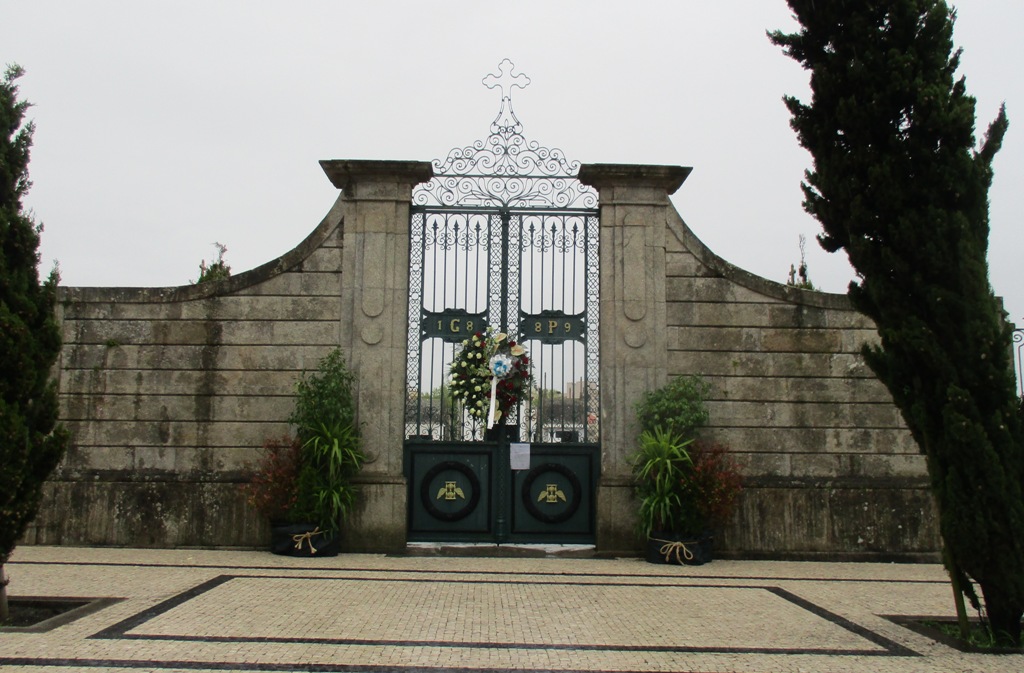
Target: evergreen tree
x=31 y=443
x=899 y=185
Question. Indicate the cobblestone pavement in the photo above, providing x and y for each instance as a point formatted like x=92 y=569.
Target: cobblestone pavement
x=202 y=610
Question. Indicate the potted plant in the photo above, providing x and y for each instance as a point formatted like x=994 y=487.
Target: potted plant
x=667 y=518
x=304 y=485
x=686 y=486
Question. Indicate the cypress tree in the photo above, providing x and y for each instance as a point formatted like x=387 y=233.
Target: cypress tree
x=31 y=442
x=899 y=183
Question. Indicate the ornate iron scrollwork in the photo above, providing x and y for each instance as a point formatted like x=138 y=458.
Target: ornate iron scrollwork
x=505 y=170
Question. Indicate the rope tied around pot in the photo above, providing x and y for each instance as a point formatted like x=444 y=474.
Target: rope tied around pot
x=674 y=547
x=306 y=537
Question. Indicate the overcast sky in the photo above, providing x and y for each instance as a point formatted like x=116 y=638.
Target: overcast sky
x=163 y=127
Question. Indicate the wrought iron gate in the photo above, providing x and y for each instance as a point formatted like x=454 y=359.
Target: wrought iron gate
x=504 y=236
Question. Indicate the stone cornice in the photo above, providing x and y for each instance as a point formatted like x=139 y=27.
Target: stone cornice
x=343 y=172
x=669 y=178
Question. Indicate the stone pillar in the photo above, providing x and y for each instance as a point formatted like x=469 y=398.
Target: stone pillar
x=374 y=334
x=634 y=349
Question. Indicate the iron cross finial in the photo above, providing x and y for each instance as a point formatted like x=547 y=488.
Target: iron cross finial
x=506 y=80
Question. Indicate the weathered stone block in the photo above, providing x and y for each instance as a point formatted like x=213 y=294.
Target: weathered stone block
x=323 y=260
x=176 y=433
x=712 y=314
x=785 y=414
x=146 y=514
x=616 y=519
x=158 y=382
x=801 y=340
x=377 y=524
x=798 y=389
x=704 y=339
x=756 y=364
x=814 y=440
x=711 y=290
x=681 y=263
x=190 y=357
x=894 y=519
x=761 y=463
x=305 y=284
x=801 y=316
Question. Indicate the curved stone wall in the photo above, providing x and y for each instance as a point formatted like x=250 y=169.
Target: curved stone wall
x=170 y=392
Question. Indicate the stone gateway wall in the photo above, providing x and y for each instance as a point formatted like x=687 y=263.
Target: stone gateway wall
x=830 y=468
x=170 y=392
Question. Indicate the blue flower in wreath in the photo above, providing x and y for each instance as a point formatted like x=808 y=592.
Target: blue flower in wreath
x=501 y=365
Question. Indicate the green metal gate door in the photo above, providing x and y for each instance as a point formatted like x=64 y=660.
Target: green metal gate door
x=504 y=236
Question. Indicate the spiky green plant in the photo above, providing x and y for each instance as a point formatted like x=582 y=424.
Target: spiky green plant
x=660 y=467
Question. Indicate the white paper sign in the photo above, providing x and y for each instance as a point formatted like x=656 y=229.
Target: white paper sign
x=519 y=453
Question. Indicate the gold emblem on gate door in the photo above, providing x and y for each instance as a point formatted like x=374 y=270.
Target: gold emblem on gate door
x=450 y=491
x=551 y=495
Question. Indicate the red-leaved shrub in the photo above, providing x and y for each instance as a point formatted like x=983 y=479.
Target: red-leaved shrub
x=272 y=489
x=714 y=481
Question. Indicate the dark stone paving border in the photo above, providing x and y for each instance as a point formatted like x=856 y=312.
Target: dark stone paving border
x=121 y=629
x=81 y=608
x=917 y=624
x=228 y=666
x=421 y=571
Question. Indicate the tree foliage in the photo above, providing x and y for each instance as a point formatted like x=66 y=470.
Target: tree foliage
x=900 y=184
x=679 y=407
x=31 y=442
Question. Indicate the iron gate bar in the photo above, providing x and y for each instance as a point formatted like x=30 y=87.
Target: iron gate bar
x=452 y=308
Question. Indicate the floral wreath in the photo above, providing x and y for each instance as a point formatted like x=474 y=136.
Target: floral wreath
x=489 y=374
